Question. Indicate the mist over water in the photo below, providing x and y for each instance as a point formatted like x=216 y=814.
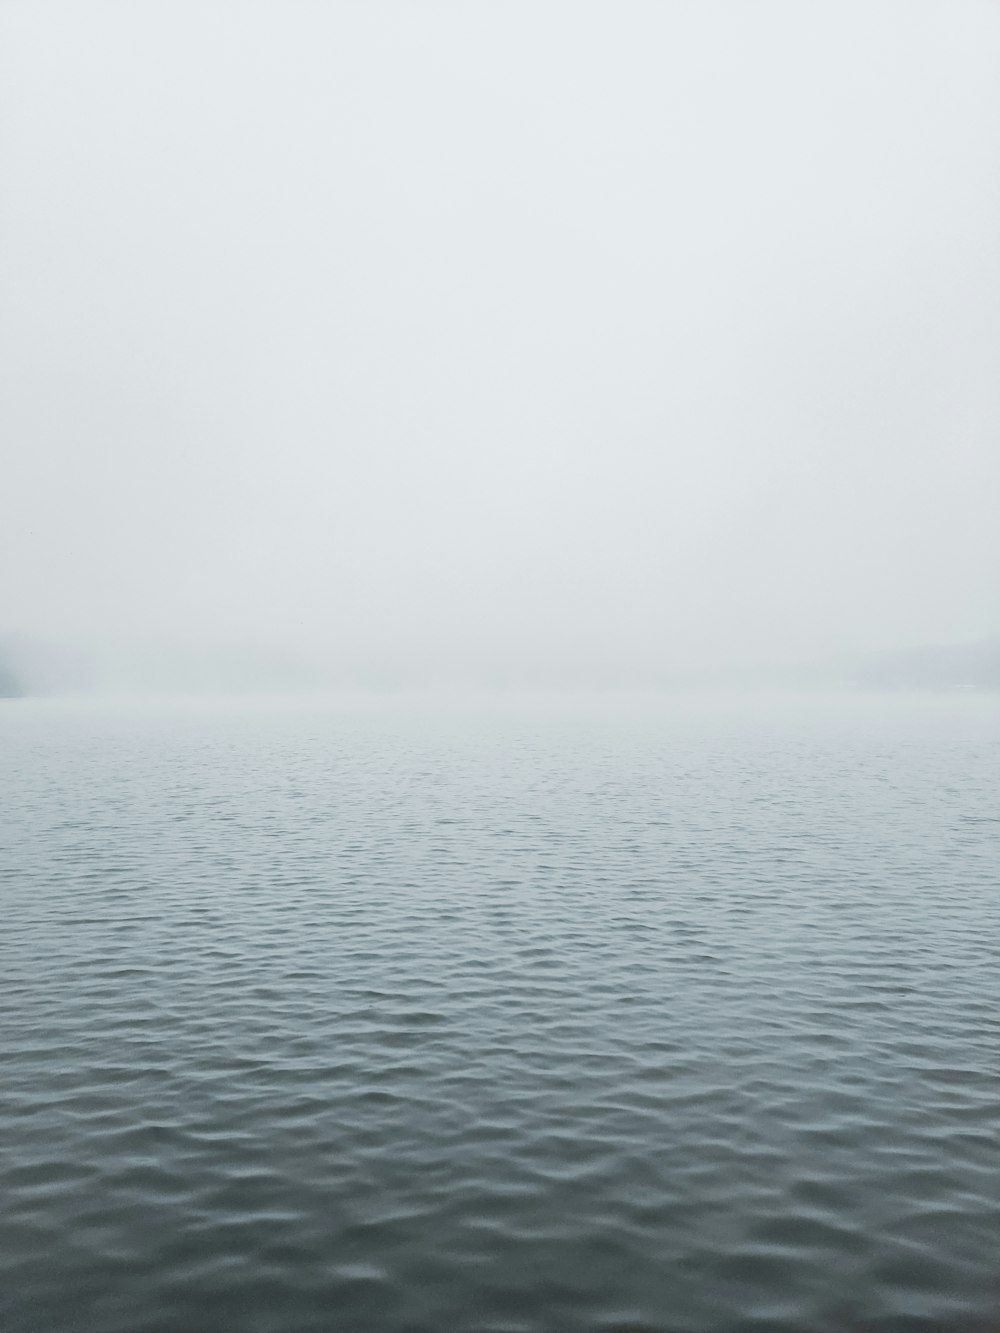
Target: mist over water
x=499 y=667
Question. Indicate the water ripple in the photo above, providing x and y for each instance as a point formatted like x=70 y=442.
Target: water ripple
x=668 y=1018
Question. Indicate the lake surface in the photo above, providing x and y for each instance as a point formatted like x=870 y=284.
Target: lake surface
x=502 y=1016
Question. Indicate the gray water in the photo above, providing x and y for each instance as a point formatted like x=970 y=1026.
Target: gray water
x=677 y=1015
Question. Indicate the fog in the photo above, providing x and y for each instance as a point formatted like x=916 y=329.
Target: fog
x=578 y=341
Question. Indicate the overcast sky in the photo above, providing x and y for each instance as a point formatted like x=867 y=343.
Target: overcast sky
x=552 y=332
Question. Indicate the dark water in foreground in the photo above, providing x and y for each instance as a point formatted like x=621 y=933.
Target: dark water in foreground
x=676 y=1016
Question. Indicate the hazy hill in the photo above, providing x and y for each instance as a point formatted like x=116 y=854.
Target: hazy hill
x=969 y=666
x=37 y=667
x=10 y=684
x=34 y=667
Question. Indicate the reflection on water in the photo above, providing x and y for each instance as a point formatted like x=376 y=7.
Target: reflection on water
x=675 y=1016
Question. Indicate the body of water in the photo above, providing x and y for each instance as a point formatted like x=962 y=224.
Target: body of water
x=391 y=1017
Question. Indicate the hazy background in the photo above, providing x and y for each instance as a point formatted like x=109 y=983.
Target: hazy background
x=547 y=339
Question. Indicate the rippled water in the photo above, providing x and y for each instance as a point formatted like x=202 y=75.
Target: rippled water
x=524 y=1016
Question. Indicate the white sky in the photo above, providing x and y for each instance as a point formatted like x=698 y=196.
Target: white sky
x=614 y=333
